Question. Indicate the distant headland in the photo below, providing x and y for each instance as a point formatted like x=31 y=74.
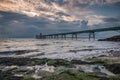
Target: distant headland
x=114 y=38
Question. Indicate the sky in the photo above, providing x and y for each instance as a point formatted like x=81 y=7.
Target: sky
x=26 y=18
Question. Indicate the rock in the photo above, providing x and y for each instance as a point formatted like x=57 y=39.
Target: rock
x=114 y=38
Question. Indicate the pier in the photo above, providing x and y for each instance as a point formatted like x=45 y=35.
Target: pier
x=74 y=35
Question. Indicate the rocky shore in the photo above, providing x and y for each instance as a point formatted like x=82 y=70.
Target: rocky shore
x=97 y=68
x=114 y=38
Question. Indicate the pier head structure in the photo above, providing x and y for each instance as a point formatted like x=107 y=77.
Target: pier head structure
x=74 y=35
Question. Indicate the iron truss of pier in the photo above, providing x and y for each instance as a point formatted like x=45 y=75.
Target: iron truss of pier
x=74 y=35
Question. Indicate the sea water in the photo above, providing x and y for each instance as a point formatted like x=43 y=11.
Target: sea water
x=57 y=49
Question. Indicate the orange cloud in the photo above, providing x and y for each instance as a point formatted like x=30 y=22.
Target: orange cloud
x=7 y=6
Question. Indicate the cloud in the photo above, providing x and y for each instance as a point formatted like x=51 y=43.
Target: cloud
x=95 y=19
x=40 y=8
x=112 y=1
x=34 y=16
x=51 y=9
x=111 y=20
x=30 y=14
x=17 y=25
x=1 y=16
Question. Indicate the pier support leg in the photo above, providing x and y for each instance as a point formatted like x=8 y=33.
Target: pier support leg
x=51 y=37
x=89 y=36
x=74 y=36
x=57 y=36
x=61 y=36
x=45 y=37
x=48 y=37
x=65 y=37
x=92 y=35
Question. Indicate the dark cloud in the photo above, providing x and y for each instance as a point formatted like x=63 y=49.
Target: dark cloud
x=17 y=25
x=106 y=9
x=111 y=20
x=8 y=17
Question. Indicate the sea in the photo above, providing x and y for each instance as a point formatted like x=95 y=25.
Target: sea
x=56 y=48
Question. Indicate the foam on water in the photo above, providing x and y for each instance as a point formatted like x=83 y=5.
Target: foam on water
x=60 y=49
